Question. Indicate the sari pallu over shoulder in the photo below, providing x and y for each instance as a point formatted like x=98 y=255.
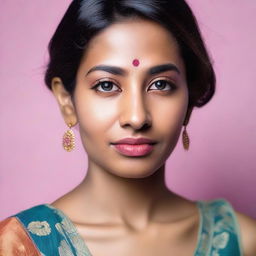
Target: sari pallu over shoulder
x=14 y=240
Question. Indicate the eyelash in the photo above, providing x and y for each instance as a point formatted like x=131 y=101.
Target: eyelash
x=171 y=84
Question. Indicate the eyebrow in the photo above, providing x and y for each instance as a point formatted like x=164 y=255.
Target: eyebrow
x=151 y=71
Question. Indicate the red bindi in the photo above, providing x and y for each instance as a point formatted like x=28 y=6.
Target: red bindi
x=135 y=62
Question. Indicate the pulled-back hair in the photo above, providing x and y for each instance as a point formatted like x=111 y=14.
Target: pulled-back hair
x=85 y=18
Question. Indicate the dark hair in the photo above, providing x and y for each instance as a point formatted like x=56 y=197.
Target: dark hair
x=85 y=18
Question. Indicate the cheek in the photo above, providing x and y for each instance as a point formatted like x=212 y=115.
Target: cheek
x=95 y=116
x=170 y=114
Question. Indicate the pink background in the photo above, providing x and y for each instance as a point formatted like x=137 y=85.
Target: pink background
x=221 y=161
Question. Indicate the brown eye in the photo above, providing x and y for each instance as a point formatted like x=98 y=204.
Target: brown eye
x=163 y=85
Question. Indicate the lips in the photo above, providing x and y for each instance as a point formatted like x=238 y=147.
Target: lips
x=134 y=146
x=135 y=141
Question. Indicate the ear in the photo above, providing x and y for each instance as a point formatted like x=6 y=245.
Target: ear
x=188 y=114
x=64 y=100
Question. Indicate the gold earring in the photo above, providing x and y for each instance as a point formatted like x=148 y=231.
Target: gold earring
x=68 y=140
x=185 y=138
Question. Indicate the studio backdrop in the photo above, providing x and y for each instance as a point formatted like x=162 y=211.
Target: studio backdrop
x=221 y=161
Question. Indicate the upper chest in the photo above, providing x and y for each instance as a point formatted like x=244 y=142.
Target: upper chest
x=162 y=239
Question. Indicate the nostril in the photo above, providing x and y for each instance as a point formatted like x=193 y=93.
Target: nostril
x=145 y=126
x=137 y=126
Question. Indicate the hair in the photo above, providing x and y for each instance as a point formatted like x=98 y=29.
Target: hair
x=85 y=18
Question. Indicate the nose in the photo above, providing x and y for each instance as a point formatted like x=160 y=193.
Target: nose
x=134 y=112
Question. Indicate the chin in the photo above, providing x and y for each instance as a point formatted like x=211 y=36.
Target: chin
x=134 y=170
x=134 y=175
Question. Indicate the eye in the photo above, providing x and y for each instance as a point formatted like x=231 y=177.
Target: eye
x=163 y=85
x=106 y=86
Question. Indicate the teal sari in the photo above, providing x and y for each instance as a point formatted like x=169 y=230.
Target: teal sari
x=54 y=234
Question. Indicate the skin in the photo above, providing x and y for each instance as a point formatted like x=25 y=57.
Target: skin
x=123 y=206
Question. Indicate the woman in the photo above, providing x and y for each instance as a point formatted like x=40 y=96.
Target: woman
x=129 y=74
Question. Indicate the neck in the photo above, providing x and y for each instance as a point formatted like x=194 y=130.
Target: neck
x=122 y=200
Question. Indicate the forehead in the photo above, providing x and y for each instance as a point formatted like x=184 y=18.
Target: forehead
x=133 y=39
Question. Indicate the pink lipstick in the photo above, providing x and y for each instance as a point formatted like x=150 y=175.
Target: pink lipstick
x=134 y=146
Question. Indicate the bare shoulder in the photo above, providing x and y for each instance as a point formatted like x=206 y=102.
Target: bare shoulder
x=248 y=233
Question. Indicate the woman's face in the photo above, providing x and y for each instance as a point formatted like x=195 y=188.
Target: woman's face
x=133 y=103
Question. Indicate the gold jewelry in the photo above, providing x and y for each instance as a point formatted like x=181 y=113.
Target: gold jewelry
x=185 y=138
x=68 y=140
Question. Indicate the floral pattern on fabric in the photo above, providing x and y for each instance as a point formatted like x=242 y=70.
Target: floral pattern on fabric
x=220 y=234
x=64 y=249
x=53 y=233
x=220 y=241
x=66 y=228
x=39 y=228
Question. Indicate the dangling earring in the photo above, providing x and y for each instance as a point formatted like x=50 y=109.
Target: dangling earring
x=68 y=140
x=185 y=138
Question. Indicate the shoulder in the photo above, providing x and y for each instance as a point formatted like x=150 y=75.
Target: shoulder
x=246 y=226
x=7 y=226
x=226 y=217
x=23 y=233
x=14 y=239
x=248 y=233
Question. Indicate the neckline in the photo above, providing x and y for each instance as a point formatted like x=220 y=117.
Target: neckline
x=79 y=236
x=200 y=228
